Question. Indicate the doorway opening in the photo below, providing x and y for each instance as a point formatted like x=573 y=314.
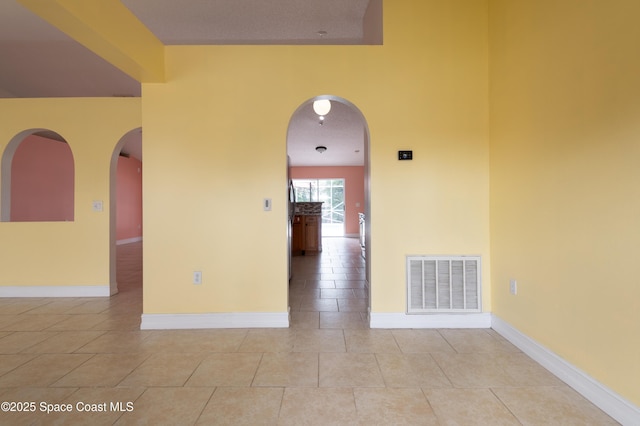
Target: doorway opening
x=328 y=163
x=330 y=192
x=125 y=207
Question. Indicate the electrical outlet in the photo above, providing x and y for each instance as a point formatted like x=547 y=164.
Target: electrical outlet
x=197 y=277
x=513 y=286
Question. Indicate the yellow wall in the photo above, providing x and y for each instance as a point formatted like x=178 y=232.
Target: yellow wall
x=565 y=180
x=215 y=146
x=562 y=108
x=66 y=253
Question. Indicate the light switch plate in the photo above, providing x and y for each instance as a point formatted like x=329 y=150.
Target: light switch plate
x=97 y=206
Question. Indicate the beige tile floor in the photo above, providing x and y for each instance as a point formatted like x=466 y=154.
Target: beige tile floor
x=327 y=368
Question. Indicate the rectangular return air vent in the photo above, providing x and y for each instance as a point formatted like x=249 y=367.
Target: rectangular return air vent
x=443 y=284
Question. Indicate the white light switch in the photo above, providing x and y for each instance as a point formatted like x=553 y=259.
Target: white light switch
x=266 y=204
x=97 y=206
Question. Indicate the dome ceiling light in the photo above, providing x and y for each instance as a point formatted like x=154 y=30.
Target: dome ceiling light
x=322 y=107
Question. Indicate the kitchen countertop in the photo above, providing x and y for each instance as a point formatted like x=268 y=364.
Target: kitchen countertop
x=309 y=208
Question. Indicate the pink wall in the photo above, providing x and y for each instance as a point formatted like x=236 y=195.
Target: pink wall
x=42 y=181
x=354 y=189
x=42 y=186
x=129 y=202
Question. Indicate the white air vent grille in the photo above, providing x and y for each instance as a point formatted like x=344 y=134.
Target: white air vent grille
x=443 y=284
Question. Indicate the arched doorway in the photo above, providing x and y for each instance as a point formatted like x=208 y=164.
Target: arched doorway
x=125 y=195
x=333 y=146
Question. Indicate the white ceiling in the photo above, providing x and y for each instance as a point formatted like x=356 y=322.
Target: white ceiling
x=342 y=132
x=252 y=21
x=38 y=60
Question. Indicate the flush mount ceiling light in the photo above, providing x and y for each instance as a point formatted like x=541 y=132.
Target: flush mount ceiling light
x=322 y=107
x=321 y=149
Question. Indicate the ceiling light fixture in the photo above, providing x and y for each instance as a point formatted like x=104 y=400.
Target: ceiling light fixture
x=321 y=148
x=322 y=107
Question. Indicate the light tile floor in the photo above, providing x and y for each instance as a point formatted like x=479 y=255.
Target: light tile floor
x=327 y=368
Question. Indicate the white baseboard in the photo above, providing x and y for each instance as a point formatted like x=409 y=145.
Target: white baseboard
x=56 y=291
x=607 y=400
x=402 y=320
x=218 y=320
x=128 y=241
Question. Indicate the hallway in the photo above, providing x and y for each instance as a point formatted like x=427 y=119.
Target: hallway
x=328 y=368
x=329 y=290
